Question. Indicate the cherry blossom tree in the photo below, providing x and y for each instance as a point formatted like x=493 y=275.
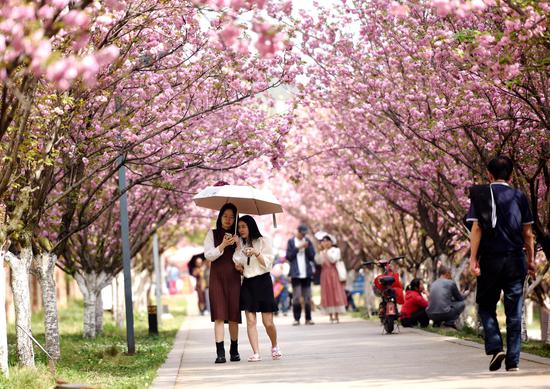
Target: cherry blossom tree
x=104 y=107
x=412 y=101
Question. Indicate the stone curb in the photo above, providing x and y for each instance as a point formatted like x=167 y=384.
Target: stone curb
x=167 y=374
x=469 y=343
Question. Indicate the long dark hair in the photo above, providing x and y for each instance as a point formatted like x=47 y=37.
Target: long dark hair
x=225 y=208
x=415 y=284
x=253 y=231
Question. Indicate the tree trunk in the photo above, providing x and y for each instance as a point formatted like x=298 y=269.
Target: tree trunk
x=99 y=314
x=3 y=330
x=524 y=334
x=440 y=260
x=20 y=270
x=140 y=283
x=469 y=317
x=545 y=324
x=90 y=284
x=119 y=313
x=370 y=298
x=44 y=267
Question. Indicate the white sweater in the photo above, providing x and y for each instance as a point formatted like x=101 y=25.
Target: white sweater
x=264 y=246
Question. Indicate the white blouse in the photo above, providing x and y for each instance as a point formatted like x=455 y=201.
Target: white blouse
x=211 y=252
x=264 y=246
x=333 y=255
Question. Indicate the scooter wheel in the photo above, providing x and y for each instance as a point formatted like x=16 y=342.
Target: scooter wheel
x=389 y=325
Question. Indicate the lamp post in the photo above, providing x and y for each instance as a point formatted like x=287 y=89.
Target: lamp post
x=158 y=277
x=126 y=260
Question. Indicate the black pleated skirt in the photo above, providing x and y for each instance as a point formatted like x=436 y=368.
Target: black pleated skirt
x=257 y=294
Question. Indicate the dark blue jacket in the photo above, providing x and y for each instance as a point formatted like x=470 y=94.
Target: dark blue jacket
x=292 y=258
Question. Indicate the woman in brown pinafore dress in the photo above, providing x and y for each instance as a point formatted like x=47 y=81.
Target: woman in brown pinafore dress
x=225 y=281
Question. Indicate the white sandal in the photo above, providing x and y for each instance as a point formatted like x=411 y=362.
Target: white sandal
x=254 y=358
x=276 y=353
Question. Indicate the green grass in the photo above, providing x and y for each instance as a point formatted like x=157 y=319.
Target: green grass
x=535 y=347
x=100 y=362
x=361 y=313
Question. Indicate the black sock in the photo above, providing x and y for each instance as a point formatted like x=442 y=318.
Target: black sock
x=220 y=349
x=234 y=348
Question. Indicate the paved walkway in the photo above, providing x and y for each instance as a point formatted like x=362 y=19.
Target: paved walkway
x=352 y=354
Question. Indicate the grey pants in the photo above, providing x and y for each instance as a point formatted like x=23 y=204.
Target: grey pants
x=301 y=287
x=450 y=317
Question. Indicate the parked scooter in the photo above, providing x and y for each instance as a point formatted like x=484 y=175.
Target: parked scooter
x=388 y=287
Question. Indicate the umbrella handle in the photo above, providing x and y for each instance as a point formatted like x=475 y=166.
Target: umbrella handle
x=274 y=221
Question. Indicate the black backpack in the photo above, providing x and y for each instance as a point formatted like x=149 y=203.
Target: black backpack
x=480 y=197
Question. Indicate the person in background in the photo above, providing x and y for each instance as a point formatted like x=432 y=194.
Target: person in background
x=413 y=312
x=279 y=275
x=301 y=256
x=254 y=257
x=172 y=277
x=207 y=265
x=200 y=284
x=350 y=280
x=225 y=282
x=445 y=303
x=333 y=296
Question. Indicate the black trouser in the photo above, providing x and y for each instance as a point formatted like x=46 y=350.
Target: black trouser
x=416 y=318
x=505 y=273
x=301 y=287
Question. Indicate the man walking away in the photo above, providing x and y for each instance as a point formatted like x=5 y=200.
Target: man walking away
x=445 y=303
x=301 y=256
x=500 y=232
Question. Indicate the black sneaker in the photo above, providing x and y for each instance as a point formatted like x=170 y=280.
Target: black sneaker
x=512 y=368
x=496 y=361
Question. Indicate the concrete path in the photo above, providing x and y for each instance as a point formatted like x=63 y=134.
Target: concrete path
x=352 y=354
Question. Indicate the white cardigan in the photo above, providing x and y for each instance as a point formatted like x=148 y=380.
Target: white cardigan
x=264 y=246
x=332 y=254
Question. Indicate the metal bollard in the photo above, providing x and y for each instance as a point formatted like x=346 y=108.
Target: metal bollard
x=153 y=320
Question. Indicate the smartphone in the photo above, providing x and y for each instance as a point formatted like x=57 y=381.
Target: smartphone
x=228 y=235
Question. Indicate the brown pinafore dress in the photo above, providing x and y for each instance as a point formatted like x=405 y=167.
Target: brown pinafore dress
x=225 y=284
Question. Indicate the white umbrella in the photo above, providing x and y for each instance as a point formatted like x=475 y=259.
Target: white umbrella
x=247 y=199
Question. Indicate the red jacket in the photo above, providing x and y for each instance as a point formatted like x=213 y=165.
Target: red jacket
x=414 y=302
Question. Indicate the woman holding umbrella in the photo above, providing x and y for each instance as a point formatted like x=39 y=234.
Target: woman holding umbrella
x=225 y=281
